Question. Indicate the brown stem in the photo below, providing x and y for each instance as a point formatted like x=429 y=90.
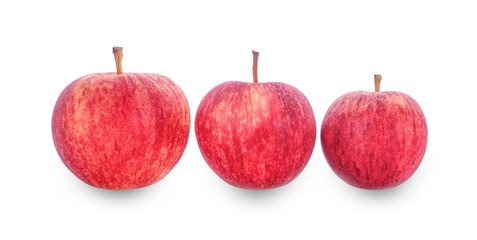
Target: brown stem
x=254 y=68
x=377 y=82
x=118 y=56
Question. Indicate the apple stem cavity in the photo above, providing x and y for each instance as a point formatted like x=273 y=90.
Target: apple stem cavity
x=254 y=68
x=118 y=56
x=377 y=82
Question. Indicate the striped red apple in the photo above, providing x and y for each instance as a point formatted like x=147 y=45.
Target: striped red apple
x=121 y=130
x=374 y=140
x=255 y=135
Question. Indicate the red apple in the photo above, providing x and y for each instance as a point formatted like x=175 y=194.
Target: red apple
x=121 y=130
x=374 y=140
x=255 y=135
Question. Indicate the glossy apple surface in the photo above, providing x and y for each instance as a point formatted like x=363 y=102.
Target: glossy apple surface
x=374 y=140
x=121 y=130
x=255 y=135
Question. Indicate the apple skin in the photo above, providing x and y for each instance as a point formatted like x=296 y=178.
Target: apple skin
x=374 y=140
x=255 y=135
x=121 y=131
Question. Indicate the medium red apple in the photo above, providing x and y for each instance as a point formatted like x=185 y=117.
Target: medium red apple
x=255 y=135
x=121 y=130
x=374 y=140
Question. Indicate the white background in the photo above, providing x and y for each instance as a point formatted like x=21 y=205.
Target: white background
x=427 y=49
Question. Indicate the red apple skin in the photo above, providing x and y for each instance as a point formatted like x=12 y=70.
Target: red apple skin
x=255 y=135
x=121 y=131
x=374 y=140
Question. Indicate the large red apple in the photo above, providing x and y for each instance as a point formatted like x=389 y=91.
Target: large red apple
x=374 y=140
x=121 y=130
x=255 y=135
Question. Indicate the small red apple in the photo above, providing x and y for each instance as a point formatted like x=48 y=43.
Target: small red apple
x=121 y=130
x=255 y=135
x=374 y=140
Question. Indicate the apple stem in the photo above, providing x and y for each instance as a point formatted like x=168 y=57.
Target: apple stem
x=254 y=68
x=377 y=82
x=118 y=56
